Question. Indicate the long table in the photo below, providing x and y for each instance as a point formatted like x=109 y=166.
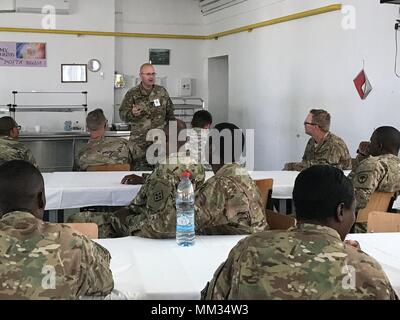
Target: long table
x=160 y=269
x=65 y=190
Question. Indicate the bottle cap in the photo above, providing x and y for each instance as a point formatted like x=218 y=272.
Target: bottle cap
x=186 y=174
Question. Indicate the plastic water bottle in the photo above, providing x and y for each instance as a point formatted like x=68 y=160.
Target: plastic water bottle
x=185 y=222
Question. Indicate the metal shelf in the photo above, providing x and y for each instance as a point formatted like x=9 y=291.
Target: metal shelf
x=184 y=108
x=14 y=107
x=76 y=92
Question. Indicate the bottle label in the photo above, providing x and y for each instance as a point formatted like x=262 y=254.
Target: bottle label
x=185 y=221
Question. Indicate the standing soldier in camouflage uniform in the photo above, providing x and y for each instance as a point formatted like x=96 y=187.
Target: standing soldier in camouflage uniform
x=147 y=106
x=309 y=261
x=10 y=148
x=100 y=149
x=152 y=211
x=229 y=202
x=323 y=147
x=40 y=260
x=380 y=171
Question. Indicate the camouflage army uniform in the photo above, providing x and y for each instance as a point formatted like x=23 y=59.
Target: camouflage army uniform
x=304 y=262
x=196 y=145
x=229 y=203
x=332 y=150
x=151 y=117
x=31 y=250
x=152 y=212
x=103 y=151
x=11 y=149
x=381 y=173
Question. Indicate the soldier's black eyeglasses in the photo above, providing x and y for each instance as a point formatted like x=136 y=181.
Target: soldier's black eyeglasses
x=18 y=127
x=310 y=123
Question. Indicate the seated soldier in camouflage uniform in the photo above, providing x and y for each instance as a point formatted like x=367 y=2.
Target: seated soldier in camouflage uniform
x=309 y=261
x=229 y=202
x=156 y=198
x=198 y=136
x=10 y=148
x=323 y=147
x=379 y=171
x=100 y=149
x=40 y=260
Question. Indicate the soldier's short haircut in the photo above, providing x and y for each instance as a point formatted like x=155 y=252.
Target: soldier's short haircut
x=224 y=146
x=95 y=120
x=319 y=190
x=389 y=137
x=147 y=64
x=20 y=184
x=201 y=118
x=322 y=118
x=6 y=124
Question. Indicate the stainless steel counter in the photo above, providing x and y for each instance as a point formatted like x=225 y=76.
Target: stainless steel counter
x=68 y=134
x=55 y=151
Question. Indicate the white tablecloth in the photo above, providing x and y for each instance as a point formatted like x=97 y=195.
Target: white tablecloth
x=384 y=247
x=160 y=269
x=66 y=190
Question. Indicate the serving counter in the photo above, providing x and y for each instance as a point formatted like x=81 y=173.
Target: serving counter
x=55 y=151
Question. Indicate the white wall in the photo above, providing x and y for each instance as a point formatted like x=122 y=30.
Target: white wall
x=97 y=15
x=187 y=58
x=278 y=73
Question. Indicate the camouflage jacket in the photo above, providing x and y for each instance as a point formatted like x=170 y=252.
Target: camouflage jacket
x=41 y=260
x=152 y=116
x=332 y=150
x=106 y=150
x=304 y=262
x=196 y=145
x=380 y=173
x=11 y=149
x=153 y=211
x=229 y=203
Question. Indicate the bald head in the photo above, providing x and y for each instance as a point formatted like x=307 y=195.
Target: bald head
x=385 y=140
x=21 y=188
x=145 y=66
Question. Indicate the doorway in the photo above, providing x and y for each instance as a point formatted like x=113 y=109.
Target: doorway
x=218 y=88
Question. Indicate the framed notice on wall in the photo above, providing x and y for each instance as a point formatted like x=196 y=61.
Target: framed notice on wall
x=159 y=56
x=23 y=54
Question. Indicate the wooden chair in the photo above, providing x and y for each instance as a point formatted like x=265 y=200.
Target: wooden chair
x=383 y=222
x=109 y=167
x=379 y=201
x=91 y=230
x=265 y=187
x=279 y=221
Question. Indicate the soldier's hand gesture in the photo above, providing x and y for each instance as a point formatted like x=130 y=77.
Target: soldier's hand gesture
x=136 y=111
